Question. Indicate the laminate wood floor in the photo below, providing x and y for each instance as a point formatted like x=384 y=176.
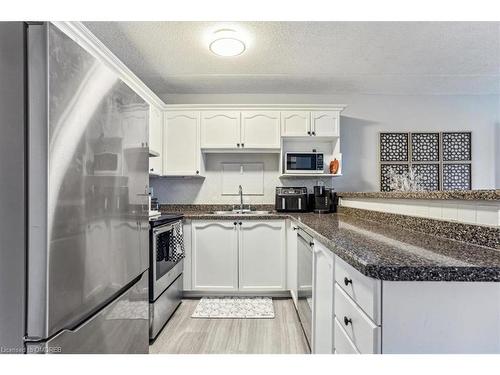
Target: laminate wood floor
x=185 y=335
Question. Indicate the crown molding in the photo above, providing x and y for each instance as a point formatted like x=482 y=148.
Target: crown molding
x=304 y=107
x=84 y=37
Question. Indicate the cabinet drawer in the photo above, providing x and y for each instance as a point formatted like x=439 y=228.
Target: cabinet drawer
x=364 y=290
x=343 y=344
x=359 y=328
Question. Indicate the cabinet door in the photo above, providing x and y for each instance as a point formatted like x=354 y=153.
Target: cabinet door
x=323 y=312
x=134 y=124
x=260 y=129
x=325 y=123
x=214 y=255
x=155 y=141
x=262 y=255
x=220 y=129
x=291 y=260
x=182 y=147
x=295 y=123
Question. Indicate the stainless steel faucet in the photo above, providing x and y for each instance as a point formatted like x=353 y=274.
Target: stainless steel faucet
x=240 y=191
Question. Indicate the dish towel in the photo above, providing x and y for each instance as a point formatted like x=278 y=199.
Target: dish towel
x=177 y=243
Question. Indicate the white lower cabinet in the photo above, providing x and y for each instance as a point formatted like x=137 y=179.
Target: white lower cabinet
x=323 y=268
x=363 y=290
x=214 y=255
x=362 y=331
x=343 y=344
x=350 y=311
x=291 y=260
x=262 y=255
x=239 y=255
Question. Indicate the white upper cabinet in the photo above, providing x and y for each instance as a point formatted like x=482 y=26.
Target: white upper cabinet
x=134 y=124
x=155 y=141
x=181 y=140
x=214 y=255
x=260 y=129
x=325 y=123
x=262 y=255
x=295 y=123
x=220 y=129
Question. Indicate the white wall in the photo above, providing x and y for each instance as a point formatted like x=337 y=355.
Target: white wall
x=209 y=190
x=363 y=119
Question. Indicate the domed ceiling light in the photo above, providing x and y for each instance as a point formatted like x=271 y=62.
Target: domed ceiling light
x=226 y=43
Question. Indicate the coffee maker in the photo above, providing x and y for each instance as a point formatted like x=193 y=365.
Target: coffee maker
x=324 y=200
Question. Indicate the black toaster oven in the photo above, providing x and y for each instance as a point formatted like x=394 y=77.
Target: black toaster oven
x=291 y=199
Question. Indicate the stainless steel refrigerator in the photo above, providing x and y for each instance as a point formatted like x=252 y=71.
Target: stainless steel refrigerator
x=73 y=199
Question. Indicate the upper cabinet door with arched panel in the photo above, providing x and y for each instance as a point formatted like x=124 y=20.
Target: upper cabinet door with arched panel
x=155 y=141
x=182 y=146
x=295 y=123
x=260 y=129
x=220 y=129
x=325 y=123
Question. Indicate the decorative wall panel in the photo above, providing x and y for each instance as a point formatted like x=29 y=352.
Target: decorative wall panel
x=384 y=174
x=429 y=174
x=425 y=147
x=456 y=176
x=457 y=146
x=442 y=159
x=394 y=147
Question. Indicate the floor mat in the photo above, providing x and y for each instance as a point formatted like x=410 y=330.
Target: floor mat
x=235 y=308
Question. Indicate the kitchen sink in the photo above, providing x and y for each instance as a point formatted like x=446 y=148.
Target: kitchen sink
x=240 y=212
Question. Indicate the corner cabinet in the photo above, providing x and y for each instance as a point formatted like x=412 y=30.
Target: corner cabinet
x=247 y=255
x=182 y=143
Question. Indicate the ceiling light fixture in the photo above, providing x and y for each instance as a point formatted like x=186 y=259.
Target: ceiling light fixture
x=225 y=42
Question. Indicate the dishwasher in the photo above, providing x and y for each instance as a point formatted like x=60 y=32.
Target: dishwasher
x=305 y=279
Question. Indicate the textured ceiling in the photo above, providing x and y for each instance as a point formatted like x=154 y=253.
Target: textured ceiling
x=312 y=57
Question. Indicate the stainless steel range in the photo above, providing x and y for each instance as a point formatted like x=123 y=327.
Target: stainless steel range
x=166 y=263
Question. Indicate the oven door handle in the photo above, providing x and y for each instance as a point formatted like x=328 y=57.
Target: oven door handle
x=163 y=229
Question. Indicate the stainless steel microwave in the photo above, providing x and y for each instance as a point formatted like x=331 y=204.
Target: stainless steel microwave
x=304 y=162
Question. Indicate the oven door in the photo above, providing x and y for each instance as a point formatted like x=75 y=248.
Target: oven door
x=300 y=162
x=164 y=267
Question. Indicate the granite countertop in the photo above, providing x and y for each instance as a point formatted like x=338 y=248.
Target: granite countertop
x=205 y=212
x=391 y=253
x=385 y=252
x=484 y=195
x=197 y=215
